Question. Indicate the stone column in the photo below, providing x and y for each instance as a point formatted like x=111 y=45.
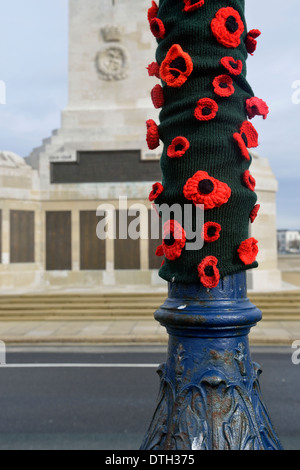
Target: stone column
x=75 y=237
x=109 y=273
x=42 y=238
x=5 y=236
x=144 y=242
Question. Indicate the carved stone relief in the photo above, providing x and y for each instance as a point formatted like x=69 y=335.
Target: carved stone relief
x=112 y=59
x=112 y=63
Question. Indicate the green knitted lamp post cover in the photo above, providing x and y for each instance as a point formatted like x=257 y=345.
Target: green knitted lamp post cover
x=206 y=107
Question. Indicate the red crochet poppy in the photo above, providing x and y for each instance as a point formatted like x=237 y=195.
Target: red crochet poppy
x=246 y=138
x=223 y=86
x=156 y=25
x=153 y=70
x=211 y=232
x=250 y=40
x=178 y=147
x=152 y=134
x=248 y=251
x=234 y=67
x=249 y=180
x=153 y=11
x=157 y=95
x=256 y=107
x=159 y=251
x=254 y=213
x=208 y=272
x=177 y=67
x=157 y=189
x=206 y=190
x=206 y=109
x=157 y=28
x=192 y=5
x=174 y=240
x=227 y=27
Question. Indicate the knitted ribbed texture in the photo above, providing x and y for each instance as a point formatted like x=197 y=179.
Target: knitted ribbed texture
x=206 y=101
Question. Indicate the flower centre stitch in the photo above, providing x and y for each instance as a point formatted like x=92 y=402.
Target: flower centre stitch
x=155 y=26
x=244 y=137
x=170 y=240
x=234 y=65
x=206 y=187
x=211 y=231
x=179 y=147
x=206 y=111
x=209 y=271
x=231 y=24
x=178 y=63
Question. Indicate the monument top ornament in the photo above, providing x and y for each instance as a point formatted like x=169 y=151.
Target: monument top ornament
x=112 y=60
x=111 y=33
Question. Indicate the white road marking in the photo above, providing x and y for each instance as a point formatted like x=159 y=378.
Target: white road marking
x=70 y=365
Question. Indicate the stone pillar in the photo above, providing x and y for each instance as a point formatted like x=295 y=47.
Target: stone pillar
x=109 y=273
x=5 y=236
x=75 y=237
x=42 y=238
x=144 y=243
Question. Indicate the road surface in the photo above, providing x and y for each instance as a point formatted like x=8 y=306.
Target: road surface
x=104 y=397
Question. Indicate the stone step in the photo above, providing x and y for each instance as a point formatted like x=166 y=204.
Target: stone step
x=101 y=306
x=105 y=301
x=95 y=313
x=123 y=313
x=125 y=305
x=98 y=298
x=79 y=305
x=70 y=298
x=284 y=306
x=107 y=298
x=136 y=318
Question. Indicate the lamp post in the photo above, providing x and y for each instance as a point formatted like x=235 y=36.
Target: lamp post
x=210 y=396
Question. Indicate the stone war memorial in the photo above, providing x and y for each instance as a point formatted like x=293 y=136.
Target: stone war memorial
x=99 y=154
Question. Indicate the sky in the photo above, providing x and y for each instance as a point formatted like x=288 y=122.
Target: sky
x=34 y=67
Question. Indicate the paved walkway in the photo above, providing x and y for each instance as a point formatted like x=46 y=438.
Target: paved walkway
x=126 y=332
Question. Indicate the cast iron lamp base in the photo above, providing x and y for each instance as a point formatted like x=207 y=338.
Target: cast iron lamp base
x=210 y=397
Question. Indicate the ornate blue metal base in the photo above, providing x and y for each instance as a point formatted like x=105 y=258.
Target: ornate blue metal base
x=210 y=397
